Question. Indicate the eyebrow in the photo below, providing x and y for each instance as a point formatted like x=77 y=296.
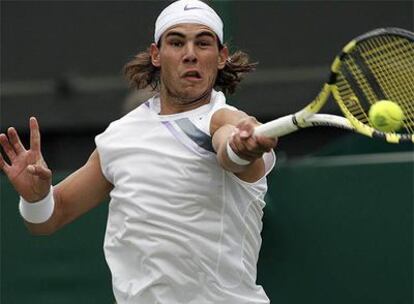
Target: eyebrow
x=172 y=33
x=205 y=33
x=179 y=34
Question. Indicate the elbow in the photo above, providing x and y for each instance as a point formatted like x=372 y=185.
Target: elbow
x=40 y=232
x=40 y=229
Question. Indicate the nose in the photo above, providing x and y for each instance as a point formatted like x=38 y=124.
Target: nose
x=190 y=55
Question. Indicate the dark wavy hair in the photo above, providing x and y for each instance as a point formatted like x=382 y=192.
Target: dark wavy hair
x=141 y=73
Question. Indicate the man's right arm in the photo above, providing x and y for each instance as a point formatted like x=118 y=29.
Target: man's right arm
x=78 y=193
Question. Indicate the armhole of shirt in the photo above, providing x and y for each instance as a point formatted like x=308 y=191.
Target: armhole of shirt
x=104 y=140
x=102 y=158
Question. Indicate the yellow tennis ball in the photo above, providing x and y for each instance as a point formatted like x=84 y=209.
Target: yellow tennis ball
x=386 y=116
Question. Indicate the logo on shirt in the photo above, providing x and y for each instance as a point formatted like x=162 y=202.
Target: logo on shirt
x=187 y=7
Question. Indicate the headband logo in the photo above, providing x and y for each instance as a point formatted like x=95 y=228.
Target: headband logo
x=187 y=8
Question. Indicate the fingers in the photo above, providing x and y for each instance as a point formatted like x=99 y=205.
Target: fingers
x=267 y=142
x=34 y=135
x=242 y=140
x=254 y=143
x=246 y=127
x=15 y=140
x=246 y=148
x=3 y=165
x=8 y=149
x=249 y=146
x=40 y=171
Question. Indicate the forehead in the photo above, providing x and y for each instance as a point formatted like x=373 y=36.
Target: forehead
x=189 y=29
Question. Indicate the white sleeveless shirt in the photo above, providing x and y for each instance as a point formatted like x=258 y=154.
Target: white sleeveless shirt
x=180 y=228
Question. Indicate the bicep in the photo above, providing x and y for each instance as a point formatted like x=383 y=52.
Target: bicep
x=82 y=190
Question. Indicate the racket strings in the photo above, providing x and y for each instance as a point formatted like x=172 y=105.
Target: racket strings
x=352 y=102
x=391 y=61
x=379 y=68
x=355 y=91
x=402 y=73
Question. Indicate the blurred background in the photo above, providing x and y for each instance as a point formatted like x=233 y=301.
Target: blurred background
x=61 y=61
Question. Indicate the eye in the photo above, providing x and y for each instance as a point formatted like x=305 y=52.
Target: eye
x=176 y=43
x=204 y=43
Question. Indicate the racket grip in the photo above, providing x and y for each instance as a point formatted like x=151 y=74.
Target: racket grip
x=277 y=127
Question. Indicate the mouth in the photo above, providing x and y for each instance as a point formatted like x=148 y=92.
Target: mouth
x=192 y=75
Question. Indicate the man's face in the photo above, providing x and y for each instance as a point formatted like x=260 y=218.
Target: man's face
x=189 y=59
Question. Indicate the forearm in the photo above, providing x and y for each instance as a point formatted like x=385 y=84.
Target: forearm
x=74 y=196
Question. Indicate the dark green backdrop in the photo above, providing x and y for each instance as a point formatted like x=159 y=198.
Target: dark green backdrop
x=339 y=234
x=333 y=233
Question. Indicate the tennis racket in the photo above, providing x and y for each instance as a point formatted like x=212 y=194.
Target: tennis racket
x=378 y=65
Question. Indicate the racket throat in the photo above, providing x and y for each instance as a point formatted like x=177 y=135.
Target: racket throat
x=279 y=127
x=295 y=122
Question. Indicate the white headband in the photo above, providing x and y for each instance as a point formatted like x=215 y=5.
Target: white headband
x=188 y=11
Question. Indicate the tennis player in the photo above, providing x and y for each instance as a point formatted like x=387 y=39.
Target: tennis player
x=185 y=174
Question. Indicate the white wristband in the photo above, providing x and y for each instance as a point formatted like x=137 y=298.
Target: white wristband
x=37 y=212
x=235 y=158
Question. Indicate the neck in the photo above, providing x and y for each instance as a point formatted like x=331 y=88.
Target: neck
x=171 y=104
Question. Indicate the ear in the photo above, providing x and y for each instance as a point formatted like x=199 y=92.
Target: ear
x=155 y=55
x=223 y=56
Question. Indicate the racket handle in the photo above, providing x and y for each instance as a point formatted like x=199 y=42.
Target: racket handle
x=277 y=127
